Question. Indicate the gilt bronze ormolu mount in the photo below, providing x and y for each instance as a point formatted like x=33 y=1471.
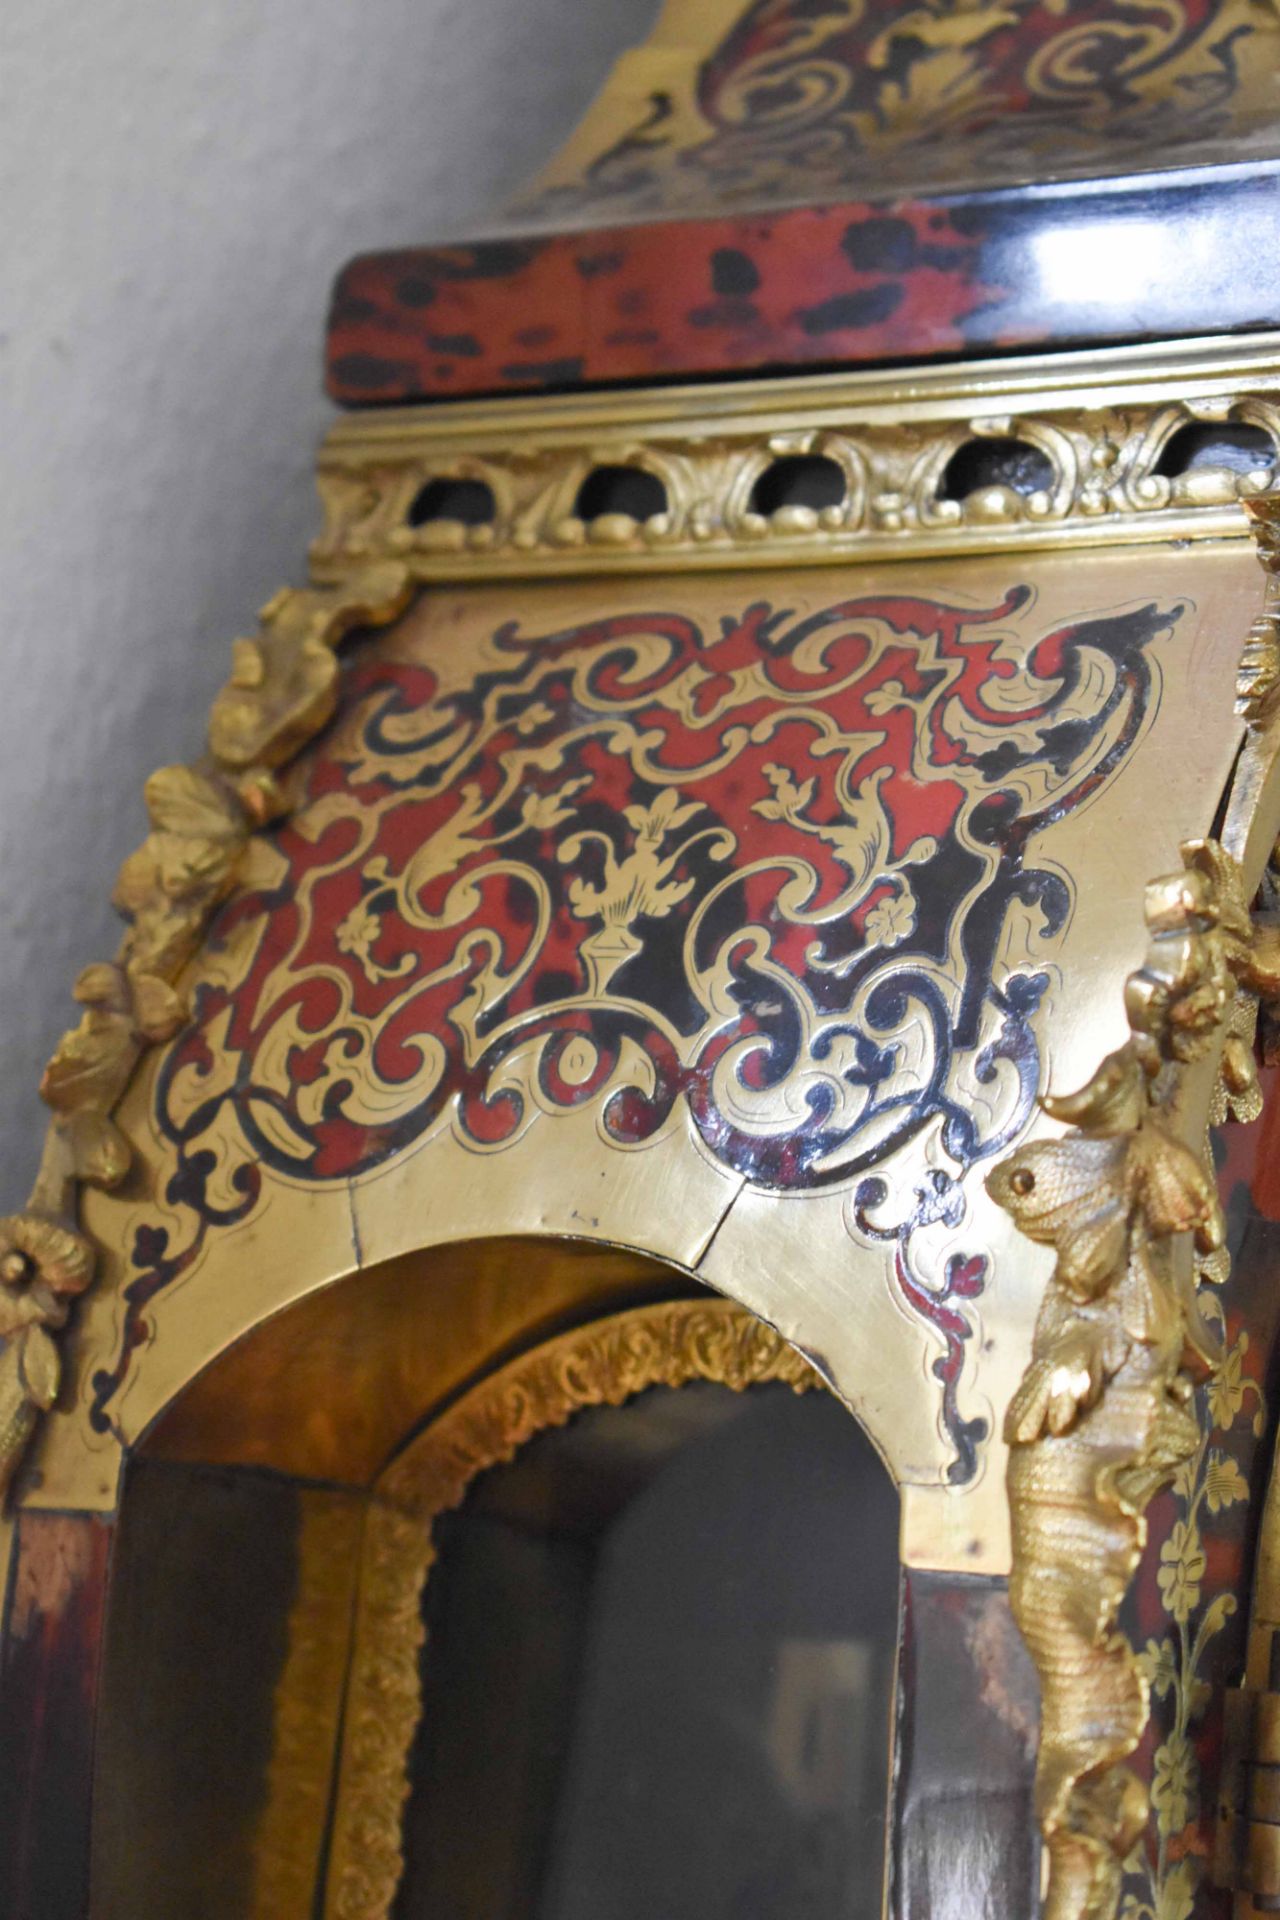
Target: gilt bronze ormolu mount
x=747 y=885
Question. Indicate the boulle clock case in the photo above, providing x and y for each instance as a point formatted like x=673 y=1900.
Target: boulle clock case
x=653 y=1285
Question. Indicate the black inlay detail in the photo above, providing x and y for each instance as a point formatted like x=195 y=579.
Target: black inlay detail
x=733 y=272
x=463 y=346
x=544 y=373
x=414 y=291
x=880 y=246
x=368 y=371
x=863 y=309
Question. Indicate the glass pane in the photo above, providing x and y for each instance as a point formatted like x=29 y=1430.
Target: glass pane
x=658 y=1671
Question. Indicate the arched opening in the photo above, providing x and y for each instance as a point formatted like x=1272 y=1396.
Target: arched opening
x=615 y=1477
x=659 y=1654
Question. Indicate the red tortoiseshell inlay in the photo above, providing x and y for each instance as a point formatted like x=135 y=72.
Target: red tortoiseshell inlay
x=706 y=296
x=814 y=286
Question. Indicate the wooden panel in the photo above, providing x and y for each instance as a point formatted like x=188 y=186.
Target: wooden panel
x=196 y=1759
x=965 y=1842
x=48 y=1688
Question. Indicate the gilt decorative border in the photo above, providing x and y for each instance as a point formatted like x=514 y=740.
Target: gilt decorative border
x=1096 y=435
x=603 y=1364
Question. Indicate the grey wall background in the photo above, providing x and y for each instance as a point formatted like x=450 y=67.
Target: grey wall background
x=178 y=185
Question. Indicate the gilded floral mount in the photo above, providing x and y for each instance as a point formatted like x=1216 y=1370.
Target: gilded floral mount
x=282 y=691
x=1103 y=1417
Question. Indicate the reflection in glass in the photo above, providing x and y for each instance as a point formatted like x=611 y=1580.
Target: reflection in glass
x=658 y=1671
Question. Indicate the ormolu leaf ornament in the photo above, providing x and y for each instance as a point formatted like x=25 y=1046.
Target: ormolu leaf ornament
x=201 y=818
x=1102 y=1417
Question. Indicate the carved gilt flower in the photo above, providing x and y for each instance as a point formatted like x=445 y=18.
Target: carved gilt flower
x=35 y=1251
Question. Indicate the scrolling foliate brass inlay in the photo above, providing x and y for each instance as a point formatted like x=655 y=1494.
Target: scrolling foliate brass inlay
x=1093 y=455
x=282 y=691
x=782 y=883
x=759 y=102
x=605 y=1364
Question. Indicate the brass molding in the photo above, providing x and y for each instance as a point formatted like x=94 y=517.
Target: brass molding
x=289 y=1844
x=1100 y=424
x=1102 y=1418
x=603 y=1364
x=282 y=690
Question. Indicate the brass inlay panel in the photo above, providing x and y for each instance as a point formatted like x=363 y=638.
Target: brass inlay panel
x=283 y=689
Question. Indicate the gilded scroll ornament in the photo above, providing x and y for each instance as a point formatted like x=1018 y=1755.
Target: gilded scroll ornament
x=1102 y=1417
x=284 y=684
x=201 y=817
x=1258 y=681
x=604 y=1364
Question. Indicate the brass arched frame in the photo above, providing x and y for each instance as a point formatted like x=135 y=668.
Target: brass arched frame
x=603 y=1364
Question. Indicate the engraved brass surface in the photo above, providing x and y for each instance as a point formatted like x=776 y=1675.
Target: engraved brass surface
x=604 y=1364
x=1101 y=1419
x=1101 y=428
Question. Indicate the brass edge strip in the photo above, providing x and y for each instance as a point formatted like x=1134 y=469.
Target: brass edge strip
x=1100 y=425
x=603 y=1364
x=288 y=1843
x=1108 y=374
x=1128 y=1201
